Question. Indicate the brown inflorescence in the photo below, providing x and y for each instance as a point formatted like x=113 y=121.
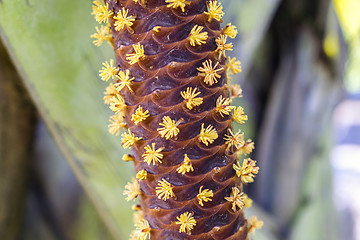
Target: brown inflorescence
x=170 y=93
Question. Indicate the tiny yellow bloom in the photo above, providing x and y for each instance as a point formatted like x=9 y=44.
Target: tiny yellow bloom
x=110 y=92
x=117 y=104
x=222 y=46
x=247 y=201
x=169 y=128
x=186 y=166
x=209 y=72
x=164 y=190
x=230 y=31
x=190 y=97
x=101 y=12
x=143 y=230
x=128 y=139
x=132 y=190
x=122 y=19
x=177 y=3
x=247 y=148
x=108 y=70
x=196 y=37
x=137 y=56
x=223 y=106
x=234 y=140
x=247 y=170
x=239 y=115
x=101 y=34
x=186 y=221
x=204 y=195
x=233 y=66
x=141 y=175
x=139 y=115
x=207 y=135
x=125 y=80
x=128 y=157
x=151 y=155
x=235 y=90
x=214 y=10
x=116 y=123
x=254 y=223
x=236 y=198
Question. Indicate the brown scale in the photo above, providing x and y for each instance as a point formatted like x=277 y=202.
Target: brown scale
x=169 y=67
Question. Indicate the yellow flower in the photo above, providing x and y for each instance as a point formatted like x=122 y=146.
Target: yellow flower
x=254 y=223
x=117 y=104
x=137 y=56
x=236 y=198
x=116 y=123
x=230 y=31
x=233 y=66
x=207 y=135
x=247 y=148
x=191 y=99
x=110 y=92
x=143 y=230
x=169 y=128
x=128 y=139
x=234 y=140
x=122 y=19
x=132 y=190
x=164 y=190
x=125 y=80
x=101 y=34
x=204 y=195
x=152 y=155
x=222 y=106
x=185 y=166
x=101 y=12
x=222 y=46
x=186 y=222
x=108 y=70
x=128 y=157
x=197 y=37
x=214 y=11
x=139 y=115
x=141 y=1
x=247 y=170
x=209 y=72
x=247 y=201
x=177 y=3
x=235 y=90
x=141 y=175
x=239 y=115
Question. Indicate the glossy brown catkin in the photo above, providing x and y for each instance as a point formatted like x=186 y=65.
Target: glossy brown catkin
x=157 y=81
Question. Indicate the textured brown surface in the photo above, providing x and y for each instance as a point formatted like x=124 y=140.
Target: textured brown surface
x=170 y=66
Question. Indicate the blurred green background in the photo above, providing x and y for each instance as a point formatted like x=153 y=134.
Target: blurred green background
x=61 y=173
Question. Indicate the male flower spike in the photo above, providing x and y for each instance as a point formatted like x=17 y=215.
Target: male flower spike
x=170 y=84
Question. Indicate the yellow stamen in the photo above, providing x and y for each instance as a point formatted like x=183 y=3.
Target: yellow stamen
x=209 y=72
x=139 y=115
x=143 y=230
x=132 y=190
x=128 y=157
x=222 y=106
x=122 y=19
x=236 y=198
x=235 y=90
x=101 y=12
x=169 y=128
x=204 y=195
x=125 y=80
x=164 y=190
x=222 y=46
x=186 y=222
x=141 y=175
x=151 y=155
x=214 y=11
x=234 y=140
x=101 y=34
x=128 y=139
x=230 y=31
x=247 y=201
x=207 y=135
x=186 y=166
x=117 y=104
x=197 y=37
x=247 y=148
x=233 y=66
x=254 y=223
x=191 y=99
x=116 y=123
x=177 y=3
x=239 y=115
x=247 y=170
x=108 y=70
x=110 y=92
x=137 y=56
